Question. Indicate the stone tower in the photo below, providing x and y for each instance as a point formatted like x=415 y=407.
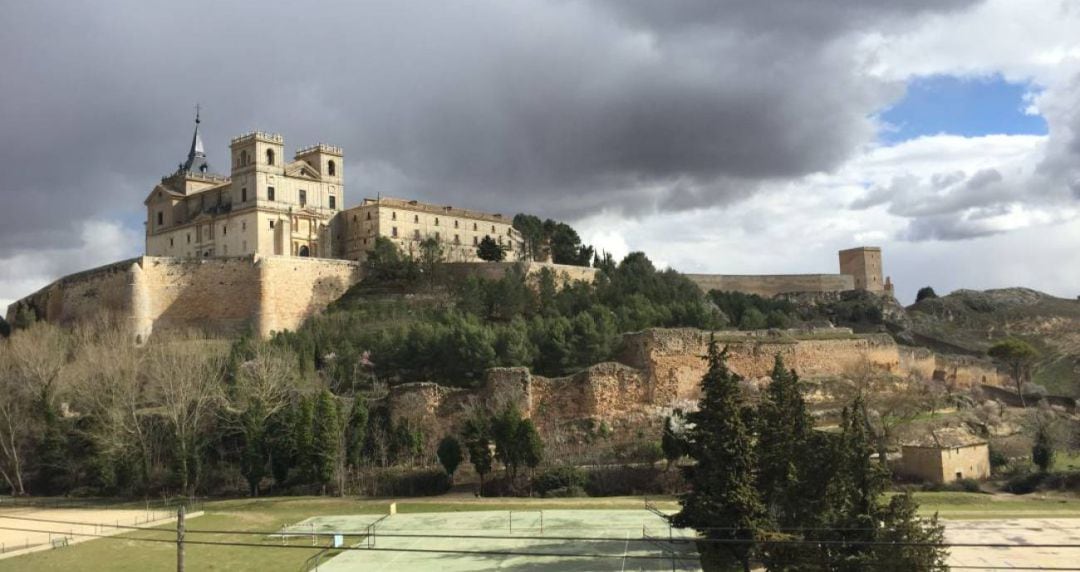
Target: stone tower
x=864 y=264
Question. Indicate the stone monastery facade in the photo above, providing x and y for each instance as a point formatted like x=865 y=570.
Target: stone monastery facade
x=273 y=207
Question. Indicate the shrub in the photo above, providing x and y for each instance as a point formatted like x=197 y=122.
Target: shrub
x=424 y=482
x=1024 y=483
x=633 y=480
x=925 y=293
x=558 y=478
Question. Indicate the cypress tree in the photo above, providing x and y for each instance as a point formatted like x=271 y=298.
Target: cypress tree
x=784 y=427
x=326 y=428
x=303 y=439
x=357 y=431
x=723 y=502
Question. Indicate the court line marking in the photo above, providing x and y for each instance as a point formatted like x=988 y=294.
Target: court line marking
x=624 y=550
x=400 y=554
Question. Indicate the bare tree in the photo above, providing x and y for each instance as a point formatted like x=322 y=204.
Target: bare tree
x=263 y=387
x=39 y=355
x=16 y=414
x=109 y=386
x=185 y=377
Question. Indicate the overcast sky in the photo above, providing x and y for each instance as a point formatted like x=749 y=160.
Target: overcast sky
x=731 y=136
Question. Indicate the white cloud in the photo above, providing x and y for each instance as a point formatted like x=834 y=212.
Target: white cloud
x=101 y=242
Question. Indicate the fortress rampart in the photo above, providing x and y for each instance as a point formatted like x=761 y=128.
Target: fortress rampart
x=218 y=295
x=771 y=285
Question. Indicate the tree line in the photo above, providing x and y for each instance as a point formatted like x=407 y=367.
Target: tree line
x=473 y=324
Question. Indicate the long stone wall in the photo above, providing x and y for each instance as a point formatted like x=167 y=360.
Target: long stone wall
x=771 y=285
x=217 y=295
x=564 y=273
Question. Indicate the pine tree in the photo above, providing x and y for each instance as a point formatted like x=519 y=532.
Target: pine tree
x=723 y=502
x=784 y=428
x=253 y=457
x=325 y=438
x=477 y=437
x=489 y=250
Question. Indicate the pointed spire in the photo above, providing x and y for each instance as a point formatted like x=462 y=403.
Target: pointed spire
x=196 y=159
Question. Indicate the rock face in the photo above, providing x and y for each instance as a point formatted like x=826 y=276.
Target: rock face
x=659 y=370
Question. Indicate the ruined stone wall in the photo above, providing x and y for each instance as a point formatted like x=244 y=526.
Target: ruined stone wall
x=660 y=370
x=771 y=285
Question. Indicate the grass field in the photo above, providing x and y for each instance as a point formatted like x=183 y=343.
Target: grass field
x=271 y=514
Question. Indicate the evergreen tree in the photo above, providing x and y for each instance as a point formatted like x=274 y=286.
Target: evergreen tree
x=325 y=438
x=1042 y=452
x=477 y=437
x=784 y=428
x=672 y=443
x=489 y=250
x=917 y=543
x=281 y=444
x=723 y=502
x=450 y=455
x=253 y=457
x=303 y=424
x=357 y=431
x=858 y=484
x=925 y=293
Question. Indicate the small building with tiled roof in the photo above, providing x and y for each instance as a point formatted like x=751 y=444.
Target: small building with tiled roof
x=946 y=455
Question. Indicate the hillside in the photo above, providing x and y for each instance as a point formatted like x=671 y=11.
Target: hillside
x=968 y=321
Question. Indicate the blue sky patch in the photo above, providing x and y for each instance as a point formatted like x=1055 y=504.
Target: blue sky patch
x=960 y=106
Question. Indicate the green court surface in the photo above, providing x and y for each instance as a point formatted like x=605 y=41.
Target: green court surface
x=510 y=540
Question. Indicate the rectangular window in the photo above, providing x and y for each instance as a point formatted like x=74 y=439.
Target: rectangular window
x=455 y=224
x=243 y=195
x=269 y=193
x=474 y=241
x=303 y=197
x=170 y=243
x=393 y=232
x=393 y=216
x=224 y=230
x=243 y=226
x=333 y=202
x=189 y=238
x=436 y=221
x=437 y=237
x=457 y=239
x=416 y=234
x=271 y=225
x=160 y=218
x=416 y=218
x=243 y=247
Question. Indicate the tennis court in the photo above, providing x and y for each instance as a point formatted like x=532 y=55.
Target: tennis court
x=514 y=540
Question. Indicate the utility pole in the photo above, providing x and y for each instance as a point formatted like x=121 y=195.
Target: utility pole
x=180 y=539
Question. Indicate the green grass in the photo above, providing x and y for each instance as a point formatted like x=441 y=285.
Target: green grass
x=271 y=514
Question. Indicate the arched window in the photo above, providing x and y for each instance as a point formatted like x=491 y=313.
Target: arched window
x=269 y=156
x=243 y=158
x=304 y=251
x=331 y=168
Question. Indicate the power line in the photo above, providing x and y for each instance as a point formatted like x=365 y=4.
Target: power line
x=722 y=541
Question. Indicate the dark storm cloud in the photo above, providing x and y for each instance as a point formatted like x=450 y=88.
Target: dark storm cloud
x=554 y=107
